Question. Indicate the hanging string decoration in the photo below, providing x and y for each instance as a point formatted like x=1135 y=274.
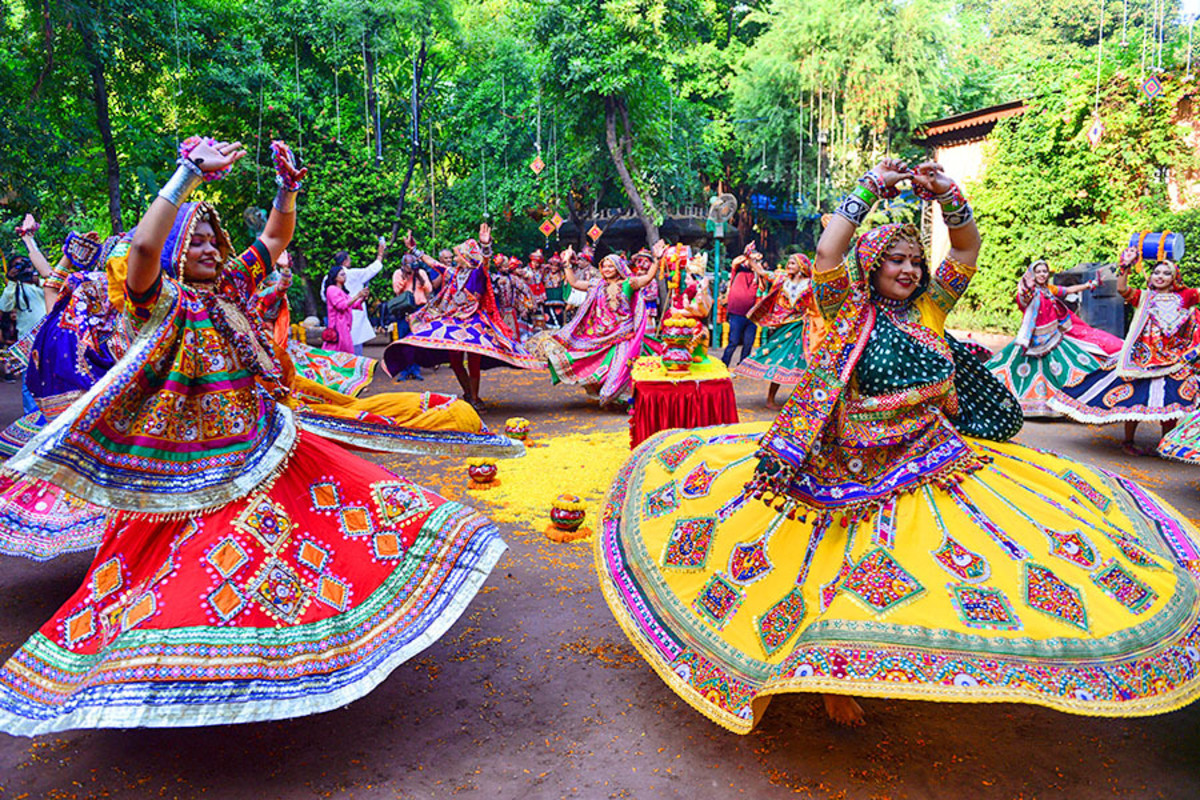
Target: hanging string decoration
x=1096 y=132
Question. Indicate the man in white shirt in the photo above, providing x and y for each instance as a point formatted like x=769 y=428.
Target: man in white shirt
x=361 y=331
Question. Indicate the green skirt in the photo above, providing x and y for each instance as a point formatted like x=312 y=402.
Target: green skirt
x=779 y=357
x=1036 y=379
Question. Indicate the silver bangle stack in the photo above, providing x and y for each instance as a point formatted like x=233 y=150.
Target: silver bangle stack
x=177 y=188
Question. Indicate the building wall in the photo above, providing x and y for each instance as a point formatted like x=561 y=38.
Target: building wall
x=965 y=162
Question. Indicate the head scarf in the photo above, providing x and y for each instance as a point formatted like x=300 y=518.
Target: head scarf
x=471 y=251
x=174 y=253
x=619 y=264
x=537 y=256
x=875 y=242
x=805 y=263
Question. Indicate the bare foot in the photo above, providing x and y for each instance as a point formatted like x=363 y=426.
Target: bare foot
x=774 y=405
x=1131 y=449
x=843 y=710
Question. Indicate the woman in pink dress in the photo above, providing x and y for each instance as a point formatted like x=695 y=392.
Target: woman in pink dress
x=1054 y=348
x=598 y=346
x=1150 y=379
x=339 y=306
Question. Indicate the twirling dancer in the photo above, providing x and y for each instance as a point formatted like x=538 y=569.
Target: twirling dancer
x=872 y=540
x=87 y=331
x=597 y=347
x=1149 y=379
x=792 y=325
x=249 y=570
x=461 y=321
x=1053 y=347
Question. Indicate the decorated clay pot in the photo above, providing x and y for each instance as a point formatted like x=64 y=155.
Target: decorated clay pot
x=567 y=512
x=516 y=428
x=677 y=359
x=482 y=471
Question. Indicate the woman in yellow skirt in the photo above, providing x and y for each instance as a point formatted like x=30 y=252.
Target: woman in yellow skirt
x=880 y=539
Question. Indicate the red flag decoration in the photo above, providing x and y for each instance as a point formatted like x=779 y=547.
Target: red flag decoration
x=538 y=165
x=595 y=232
x=1151 y=87
x=1096 y=132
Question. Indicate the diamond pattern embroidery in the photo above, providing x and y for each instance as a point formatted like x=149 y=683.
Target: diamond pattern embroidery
x=1121 y=585
x=267 y=521
x=356 y=521
x=672 y=457
x=881 y=583
x=748 y=561
x=280 y=592
x=312 y=556
x=699 y=481
x=106 y=579
x=1073 y=546
x=227 y=601
x=141 y=610
x=984 y=607
x=718 y=600
x=333 y=592
x=387 y=546
x=781 y=620
x=399 y=501
x=663 y=500
x=960 y=562
x=227 y=557
x=80 y=626
x=689 y=543
x=1049 y=594
x=325 y=496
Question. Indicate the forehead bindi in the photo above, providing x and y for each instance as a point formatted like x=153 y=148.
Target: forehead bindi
x=903 y=249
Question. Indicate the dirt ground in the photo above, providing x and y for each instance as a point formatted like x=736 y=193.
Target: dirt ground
x=536 y=693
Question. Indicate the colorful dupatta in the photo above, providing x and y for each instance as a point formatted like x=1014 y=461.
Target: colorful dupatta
x=188 y=419
x=827 y=451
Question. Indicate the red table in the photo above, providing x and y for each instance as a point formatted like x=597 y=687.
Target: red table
x=662 y=401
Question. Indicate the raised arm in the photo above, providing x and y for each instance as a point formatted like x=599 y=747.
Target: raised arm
x=645 y=279
x=879 y=183
x=200 y=160
x=929 y=179
x=1129 y=257
x=39 y=261
x=281 y=224
x=573 y=281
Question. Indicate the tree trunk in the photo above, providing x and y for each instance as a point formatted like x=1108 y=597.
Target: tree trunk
x=620 y=149
x=414 y=143
x=91 y=47
x=373 y=103
x=48 y=39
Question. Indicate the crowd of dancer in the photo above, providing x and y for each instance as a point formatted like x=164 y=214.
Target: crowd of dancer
x=881 y=537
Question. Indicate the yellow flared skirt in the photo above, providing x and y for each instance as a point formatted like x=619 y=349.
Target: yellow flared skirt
x=1035 y=580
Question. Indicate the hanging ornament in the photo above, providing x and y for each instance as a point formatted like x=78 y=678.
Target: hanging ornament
x=595 y=233
x=1096 y=132
x=538 y=165
x=1151 y=87
x=557 y=220
x=547 y=228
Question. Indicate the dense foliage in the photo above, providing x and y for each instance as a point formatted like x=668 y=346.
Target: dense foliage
x=428 y=113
